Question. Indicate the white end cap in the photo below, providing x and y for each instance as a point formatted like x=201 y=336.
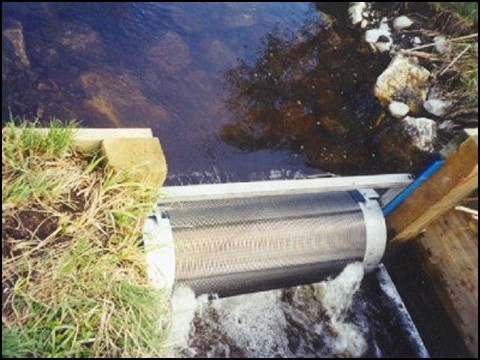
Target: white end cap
x=160 y=253
x=376 y=230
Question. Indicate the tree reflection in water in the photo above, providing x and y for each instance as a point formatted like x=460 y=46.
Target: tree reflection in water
x=312 y=93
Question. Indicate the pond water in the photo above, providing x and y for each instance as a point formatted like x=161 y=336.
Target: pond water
x=234 y=91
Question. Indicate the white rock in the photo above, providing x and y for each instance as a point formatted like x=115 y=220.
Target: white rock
x=417 y=40
x=403 y=80
x=437 y=107
x=380 y=39
x=384 y=46
x=441 y=44
x=423 y=132
x=356 y=11
x=372 y=35
x=398 y=109
x=402 y=23
x=384 y=25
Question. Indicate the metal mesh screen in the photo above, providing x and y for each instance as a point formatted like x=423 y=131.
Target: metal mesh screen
x=243 y=245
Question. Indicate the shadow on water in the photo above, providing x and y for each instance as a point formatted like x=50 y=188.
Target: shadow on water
x=310 y=92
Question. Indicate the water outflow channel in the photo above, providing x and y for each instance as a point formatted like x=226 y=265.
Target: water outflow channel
x=349 y=316
x=235 y=92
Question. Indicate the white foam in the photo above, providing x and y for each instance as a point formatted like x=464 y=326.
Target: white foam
x=336 y=295
x=263 y=336
x=160 y=253
x=441 y=44
x=376 y=230
x=183 y=308
x=279 y=323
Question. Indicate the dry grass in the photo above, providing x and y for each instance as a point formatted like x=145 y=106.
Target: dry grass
x=460 y=68
x=73 y=272
x=463 y=60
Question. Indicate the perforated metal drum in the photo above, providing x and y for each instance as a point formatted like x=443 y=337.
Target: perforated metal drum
x=247 y=241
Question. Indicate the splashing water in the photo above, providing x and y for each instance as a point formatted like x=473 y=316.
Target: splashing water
x=311 y=320
x=336 y=297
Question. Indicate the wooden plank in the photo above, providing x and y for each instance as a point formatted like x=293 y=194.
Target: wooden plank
x=143 y=157
x=455 y=180
x=124 y=148
x=90 y=140
x=283 y=187
x=449 y=252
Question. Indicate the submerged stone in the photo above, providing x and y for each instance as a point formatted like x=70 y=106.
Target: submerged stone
x=422 y=131
x=239 y=20
x=171 y=53
x=190 y=22
x=119 y=98
x=408 y=144
x=218 y=54
x=79 y=39
x=14 y=35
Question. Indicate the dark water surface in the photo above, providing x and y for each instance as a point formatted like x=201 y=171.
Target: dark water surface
x=234 y=91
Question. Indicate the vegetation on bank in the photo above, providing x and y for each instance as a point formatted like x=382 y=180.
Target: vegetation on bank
x=460 y=18
x=73 y=272
x=464 y=11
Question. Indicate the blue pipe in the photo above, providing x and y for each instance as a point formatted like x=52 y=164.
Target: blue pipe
x=431 y=169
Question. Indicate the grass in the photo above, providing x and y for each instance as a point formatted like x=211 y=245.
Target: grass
x=73 y=272
x=463 y=11
x=458 y=19
x=465 y=84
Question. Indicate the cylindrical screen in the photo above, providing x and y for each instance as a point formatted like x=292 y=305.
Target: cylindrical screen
x=241 y=245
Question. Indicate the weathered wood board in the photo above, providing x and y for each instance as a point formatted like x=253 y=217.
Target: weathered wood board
x=455 y=180
x=449 y=251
